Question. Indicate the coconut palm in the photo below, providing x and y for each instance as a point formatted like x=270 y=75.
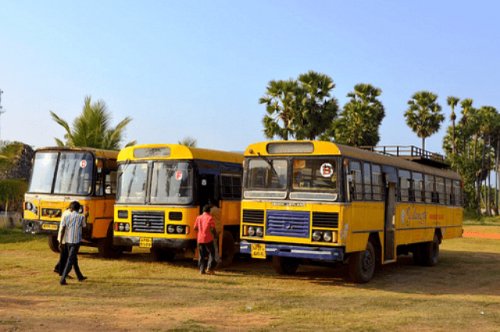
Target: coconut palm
x=188 y=141
x=424 y=115
x=361 y=117
x=318 y=108
x=281 y=106
x=92 y=128
x=452 y=102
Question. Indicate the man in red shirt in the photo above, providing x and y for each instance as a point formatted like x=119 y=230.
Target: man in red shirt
x=205 y=226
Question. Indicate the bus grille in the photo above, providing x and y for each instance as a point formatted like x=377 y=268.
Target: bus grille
x=325 y=219
x=287 y=223
x=253 y=216
x=148 y=222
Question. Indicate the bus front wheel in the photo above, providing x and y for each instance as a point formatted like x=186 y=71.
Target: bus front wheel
x=285 y=265
x=362 y=264
x=162 y=254
x=228 y=250
x=53 y=243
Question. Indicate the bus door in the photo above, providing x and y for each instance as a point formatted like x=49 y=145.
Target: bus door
x=207 y=190
x=390 y=179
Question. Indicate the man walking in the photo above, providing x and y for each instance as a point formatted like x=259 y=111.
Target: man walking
x=205 y=226
x=72 y=226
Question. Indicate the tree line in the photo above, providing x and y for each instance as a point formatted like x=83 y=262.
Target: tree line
x=305 y=108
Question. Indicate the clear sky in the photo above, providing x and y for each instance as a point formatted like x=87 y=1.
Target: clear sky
x=197 y=68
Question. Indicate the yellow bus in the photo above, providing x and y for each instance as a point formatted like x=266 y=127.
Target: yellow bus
x=61 y=175
x=306 y=201
x=162 y=189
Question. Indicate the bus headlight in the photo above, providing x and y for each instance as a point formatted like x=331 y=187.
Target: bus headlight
x=259 y=231
x=327 y=236
x=251 y=231
x=171 y=229
x=121 y=227
x=317 y=235
x=180 y=229
x=127 y=227
x=28 y=206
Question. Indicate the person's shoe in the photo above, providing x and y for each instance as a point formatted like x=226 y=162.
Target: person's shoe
x=210 y=272
x=63 y=282
x=82 y=279
x=202 y=272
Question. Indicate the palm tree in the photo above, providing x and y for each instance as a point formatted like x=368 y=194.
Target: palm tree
x=424 y=115
x=92 y=128
x=452 y=102
x=188 y=141
x=360 y=120
x=281 y=106
x=317 y=108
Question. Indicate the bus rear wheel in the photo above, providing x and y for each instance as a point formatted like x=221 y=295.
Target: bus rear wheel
x=285 y=265
x=362 y=264
x=228 y=250
x=427 y=254
x=53 y=243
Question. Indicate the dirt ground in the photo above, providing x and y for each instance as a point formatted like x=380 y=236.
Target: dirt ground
x=462 y=293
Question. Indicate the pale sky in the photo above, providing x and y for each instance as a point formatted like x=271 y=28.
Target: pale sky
x=198 y=68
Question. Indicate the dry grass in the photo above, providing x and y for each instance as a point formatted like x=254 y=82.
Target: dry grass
x=462 y=293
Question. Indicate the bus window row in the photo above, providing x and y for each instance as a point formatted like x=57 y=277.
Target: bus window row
x=368 y=185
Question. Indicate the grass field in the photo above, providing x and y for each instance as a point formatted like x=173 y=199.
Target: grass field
x=461 y=293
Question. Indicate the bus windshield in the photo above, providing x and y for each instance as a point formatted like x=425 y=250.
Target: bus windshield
x=131 y=186
x=44 y=169
x=73 y=175
x=171 y=183
x=266 y=178
x=315 y=179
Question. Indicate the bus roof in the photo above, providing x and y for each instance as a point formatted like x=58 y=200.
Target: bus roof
x=309 y=148
x=100 y=153
x=176 y=151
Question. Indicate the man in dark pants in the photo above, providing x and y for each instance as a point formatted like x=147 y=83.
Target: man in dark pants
x=63 y=256
x=72 y=225
x=205 y=226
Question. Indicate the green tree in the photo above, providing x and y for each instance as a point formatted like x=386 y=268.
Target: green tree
x=424 y=115
x=188 y=141
x=361 y=117
x=92 y=128
x=318 y=108
x=452 y=102
x=300 y=109
x=281 y=107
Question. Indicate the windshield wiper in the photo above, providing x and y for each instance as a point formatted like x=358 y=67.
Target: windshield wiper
x=269 y=162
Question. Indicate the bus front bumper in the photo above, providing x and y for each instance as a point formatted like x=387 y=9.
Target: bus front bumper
x=325 y=254
x=155 y=242
x=40 y=226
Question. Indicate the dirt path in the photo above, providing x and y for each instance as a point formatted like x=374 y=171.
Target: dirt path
x=494 y=236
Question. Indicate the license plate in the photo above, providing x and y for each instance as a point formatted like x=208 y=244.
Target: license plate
x=145 y=242
x=258 y=251
x=49 y=227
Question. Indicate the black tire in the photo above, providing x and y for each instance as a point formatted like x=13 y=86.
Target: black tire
x=162 y=254
x=430 y=252
x=285 y=265
x=53 y=243
x=105 y=246
x=417 y=254
x=362 y=265
x=228 y=249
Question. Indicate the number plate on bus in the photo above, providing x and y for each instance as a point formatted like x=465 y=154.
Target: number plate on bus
x=49 y=227
x=145 y=242
x=259 y=251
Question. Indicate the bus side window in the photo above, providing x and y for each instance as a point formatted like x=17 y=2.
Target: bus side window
x=110 y=183
x=357 y=181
